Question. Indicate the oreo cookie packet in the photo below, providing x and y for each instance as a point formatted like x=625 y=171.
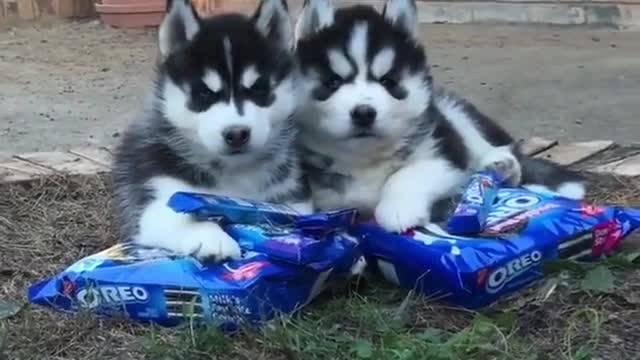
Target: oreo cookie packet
x=285 y=264
x=522 y=230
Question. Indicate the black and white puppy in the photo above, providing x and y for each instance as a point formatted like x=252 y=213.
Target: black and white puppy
x=375 y=131
x=219 y=121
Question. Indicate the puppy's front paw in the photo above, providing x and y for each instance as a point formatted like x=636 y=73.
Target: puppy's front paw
x=209 y=241
x=502 y=161
x=400 y=214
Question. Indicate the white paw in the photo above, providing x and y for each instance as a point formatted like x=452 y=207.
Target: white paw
x=401 y=214
x=208 y=241
x=502 y=161
x=304 y=208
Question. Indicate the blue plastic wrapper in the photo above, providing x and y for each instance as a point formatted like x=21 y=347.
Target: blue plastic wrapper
x=233 y=210
x=523 y=230
x=275 y=229
x=470 y=215
x=151 y=285
x=282 y=269
x=291 y=246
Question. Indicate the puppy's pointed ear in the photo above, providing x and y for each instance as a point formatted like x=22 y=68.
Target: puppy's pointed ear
x=402 y=13
x=315 y=15
x=180 y=25
x=273 y=21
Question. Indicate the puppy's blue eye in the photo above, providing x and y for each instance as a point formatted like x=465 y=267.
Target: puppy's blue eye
x=206 y=92
x=203 y=91
x=333 y=83
x=388 y=82
x=260 y=87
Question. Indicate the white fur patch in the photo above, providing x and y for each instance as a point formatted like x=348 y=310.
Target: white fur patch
x=316 y=15
x=537 y=188
x=382 y=62
x=339 y=63
x=162 y=227
x=501 y=160
x=410 y=193
x=274 y=14
x=403 y=13
x=213 y=80
x=357 y=46
x=249 y=77
x=179 y=19
x=572 y=190
x=226 y=44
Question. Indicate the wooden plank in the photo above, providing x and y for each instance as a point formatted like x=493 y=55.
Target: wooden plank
x=26 y=10
x=100 y=156
x=536 y=145
x=14 y=176
x=625 y=167
x=568 y=154
x=73 y=8
x=61 y=162
x=20 y=170
x=9 y=8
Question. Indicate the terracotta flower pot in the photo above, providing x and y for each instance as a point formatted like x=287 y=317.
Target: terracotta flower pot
x=132 y=13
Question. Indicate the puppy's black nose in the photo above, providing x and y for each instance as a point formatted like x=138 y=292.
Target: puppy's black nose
x=363 y=116
x=236 y=136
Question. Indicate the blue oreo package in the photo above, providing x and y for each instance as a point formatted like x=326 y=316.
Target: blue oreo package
x=151 y=285
x=282 y=244
x=523 y=230
x=281 y=270
x=233 y=210
x=470 y=215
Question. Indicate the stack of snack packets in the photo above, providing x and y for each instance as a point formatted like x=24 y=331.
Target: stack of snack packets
x=498 y=250
x=288 y=259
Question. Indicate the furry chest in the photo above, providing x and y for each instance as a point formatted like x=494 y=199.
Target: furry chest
x=360 y=188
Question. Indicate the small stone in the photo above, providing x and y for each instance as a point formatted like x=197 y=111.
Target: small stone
x=115 y=134
x=595 y=38
x=613 y=45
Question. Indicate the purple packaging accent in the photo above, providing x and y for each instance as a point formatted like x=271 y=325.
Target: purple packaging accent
x=286 y=245
x=474 y=207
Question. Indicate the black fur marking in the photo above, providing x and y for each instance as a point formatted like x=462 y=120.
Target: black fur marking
x=317 y=167
x=494 y=133
x=186 y=66
x=450 y=142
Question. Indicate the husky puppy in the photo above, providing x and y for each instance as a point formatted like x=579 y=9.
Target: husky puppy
x=376 y=132
x=219 y=121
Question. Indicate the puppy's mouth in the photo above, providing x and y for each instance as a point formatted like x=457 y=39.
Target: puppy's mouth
x=237 y=152
x=363 y=134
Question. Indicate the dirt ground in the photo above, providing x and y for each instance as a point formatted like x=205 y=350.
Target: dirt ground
x=66 y=84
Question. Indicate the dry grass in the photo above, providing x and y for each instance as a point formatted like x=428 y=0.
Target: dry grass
x=47 y=225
